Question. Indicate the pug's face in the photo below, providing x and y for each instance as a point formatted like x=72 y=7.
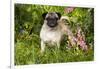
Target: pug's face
x=51 y=18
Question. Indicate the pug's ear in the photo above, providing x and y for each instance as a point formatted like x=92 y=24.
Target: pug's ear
x=59 y=15
x=44 y=14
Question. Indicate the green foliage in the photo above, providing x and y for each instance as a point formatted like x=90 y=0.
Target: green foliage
x=28 y=22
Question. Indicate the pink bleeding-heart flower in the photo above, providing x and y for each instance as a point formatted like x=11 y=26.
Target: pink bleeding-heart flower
x=69 y=9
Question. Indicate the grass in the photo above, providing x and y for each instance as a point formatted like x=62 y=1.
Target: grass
x=27 y=51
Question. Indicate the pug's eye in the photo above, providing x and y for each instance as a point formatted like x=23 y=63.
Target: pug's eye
x=56 y=18
x=47 y=18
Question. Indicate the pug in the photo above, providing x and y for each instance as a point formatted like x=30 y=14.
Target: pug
x=52 y=30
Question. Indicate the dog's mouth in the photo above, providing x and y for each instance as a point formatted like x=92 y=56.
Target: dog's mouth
x=52 y=25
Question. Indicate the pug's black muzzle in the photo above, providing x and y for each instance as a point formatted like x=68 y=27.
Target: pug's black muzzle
x=52 y=23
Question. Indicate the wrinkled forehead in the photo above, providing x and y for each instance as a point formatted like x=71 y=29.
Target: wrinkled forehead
x=52 y=15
